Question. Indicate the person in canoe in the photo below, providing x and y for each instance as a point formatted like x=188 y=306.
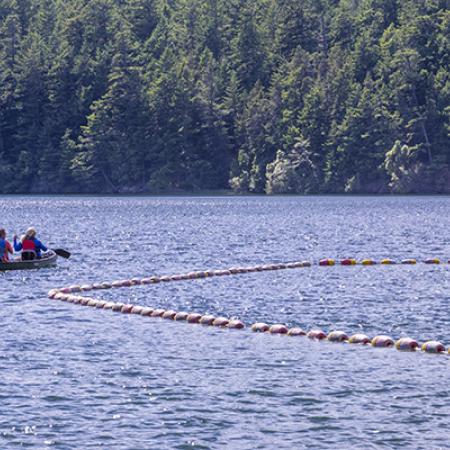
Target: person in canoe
x=30 y=246
x=5 y=247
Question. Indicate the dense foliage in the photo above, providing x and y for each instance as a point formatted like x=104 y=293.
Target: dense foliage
x=275 y=96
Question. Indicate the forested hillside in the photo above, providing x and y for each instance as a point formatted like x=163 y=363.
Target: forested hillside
x=275 y=96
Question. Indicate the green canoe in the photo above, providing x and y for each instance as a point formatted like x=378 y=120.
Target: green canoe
x=48 y=260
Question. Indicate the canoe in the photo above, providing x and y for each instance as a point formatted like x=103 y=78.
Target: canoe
x=48 y=260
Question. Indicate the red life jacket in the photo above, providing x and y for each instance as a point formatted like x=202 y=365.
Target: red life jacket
x=28 y=246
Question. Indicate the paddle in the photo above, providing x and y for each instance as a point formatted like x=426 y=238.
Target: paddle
x=61 y=252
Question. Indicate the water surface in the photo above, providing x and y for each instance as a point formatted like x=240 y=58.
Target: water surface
x=74 y=377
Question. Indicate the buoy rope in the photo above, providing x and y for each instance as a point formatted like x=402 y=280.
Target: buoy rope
x=403 y=344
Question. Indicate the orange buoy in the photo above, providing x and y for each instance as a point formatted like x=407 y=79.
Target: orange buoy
x=169 y=314
x=406 y=345
x=327 y=262
x=337 y=336
x=359 y=338
x=220 y=322
x=193 y=318
x=382 y=341
x=316 y=334
x=278 y=328
x=157 y=312
x=146 y=311
x=207 y=319
x=136 y=309
x=387 y=261
x=433 y=347
x=236 y=324
x=126 y=309
x=260 y=327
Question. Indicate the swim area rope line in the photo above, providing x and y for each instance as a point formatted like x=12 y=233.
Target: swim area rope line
x=71 y=294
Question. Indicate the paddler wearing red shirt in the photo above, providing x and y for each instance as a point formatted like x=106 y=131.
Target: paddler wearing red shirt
x=30 y=246
x=5 y=247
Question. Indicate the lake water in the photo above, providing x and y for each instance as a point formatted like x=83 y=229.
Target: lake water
x=81 y=378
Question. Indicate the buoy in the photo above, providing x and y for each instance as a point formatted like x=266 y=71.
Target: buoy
x=136 y=309
x=234 y=270
x=100 y=304
x=296 y=332
x=52 y=292
x=316 y=334
x=135 y=281
x=387 y=261
x=108 y=305
x=154 y=280
x=146 y=311
x=359 y=339
x=117 y=307
x=432 y=261
x=409 y=261
x=210 y=273
x=433 y=347
x=126 y=309
x=106 y=285
x=193 y=318
x=169 y=314
x=181 y=315
x=406 y=345
x=278 y=328
x=220 y=322
x=165 y=278
x=368 y=262
x=87 y=287
x=236 y=324
x=116 y=284
x=382 y=341
x=146 y=281
x=74 y=288
x=348 y=262
x=84 y=301
x=327 y=262
x=306 y=264
x=97 y=286
x=176 y=277
x=207 y=319
x=260 y=327
x=65 y=290
x=158 y=312
x=92 y=302
x=337 y=336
